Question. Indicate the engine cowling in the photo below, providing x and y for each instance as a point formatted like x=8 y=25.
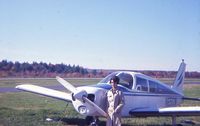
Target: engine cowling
x=96 y=95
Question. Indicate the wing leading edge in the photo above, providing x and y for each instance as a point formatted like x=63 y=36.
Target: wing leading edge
x=169 y=111
x=45 y=91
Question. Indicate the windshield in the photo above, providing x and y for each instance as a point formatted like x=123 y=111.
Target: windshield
x=125 y=79
x=107 y=78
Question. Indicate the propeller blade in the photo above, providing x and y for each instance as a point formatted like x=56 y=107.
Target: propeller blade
x=96 y=107
x=78 y=94
x=66 y=84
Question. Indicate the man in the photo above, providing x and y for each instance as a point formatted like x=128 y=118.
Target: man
x=115 y=102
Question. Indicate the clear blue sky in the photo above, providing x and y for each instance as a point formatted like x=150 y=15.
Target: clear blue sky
x=108 y=34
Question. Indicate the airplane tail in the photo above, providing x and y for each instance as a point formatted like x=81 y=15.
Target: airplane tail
x=178 y=83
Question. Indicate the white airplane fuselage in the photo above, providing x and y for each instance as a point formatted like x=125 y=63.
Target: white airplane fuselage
x=136 y=100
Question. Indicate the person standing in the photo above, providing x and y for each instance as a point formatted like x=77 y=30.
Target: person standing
x=115 y=103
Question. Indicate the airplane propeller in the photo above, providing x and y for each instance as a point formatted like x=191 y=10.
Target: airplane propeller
x=80 y=95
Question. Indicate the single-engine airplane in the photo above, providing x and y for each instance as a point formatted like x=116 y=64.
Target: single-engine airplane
x=144 y=96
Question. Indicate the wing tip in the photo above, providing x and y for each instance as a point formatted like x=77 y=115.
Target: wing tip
x=19 y=86
x=57 y=77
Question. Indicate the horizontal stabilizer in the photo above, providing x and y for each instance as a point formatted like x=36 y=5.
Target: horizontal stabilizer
x=193 y=99
x=45 y=91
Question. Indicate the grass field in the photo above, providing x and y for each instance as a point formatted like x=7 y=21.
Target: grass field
x=26 y=109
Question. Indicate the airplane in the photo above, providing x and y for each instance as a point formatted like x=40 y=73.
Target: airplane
x=144 y=96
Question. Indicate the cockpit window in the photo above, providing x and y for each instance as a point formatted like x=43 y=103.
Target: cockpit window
x=125 y=79
x=141 y=84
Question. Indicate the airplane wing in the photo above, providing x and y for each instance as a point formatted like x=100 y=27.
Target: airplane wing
x=45 y=91
x=168 y=111
x=181 y=111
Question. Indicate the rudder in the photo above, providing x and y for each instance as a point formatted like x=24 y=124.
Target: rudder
x=178 y=83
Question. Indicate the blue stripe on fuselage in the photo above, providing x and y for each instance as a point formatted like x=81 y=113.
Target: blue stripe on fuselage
x=129 y=92
x=108 y=87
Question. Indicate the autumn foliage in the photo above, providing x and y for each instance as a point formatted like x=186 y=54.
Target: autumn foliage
x=25 y=70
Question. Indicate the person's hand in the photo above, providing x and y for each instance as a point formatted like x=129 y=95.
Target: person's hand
x=107 y=116
x=115 y=112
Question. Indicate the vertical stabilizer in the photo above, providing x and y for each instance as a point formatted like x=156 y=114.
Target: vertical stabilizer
x=178 y=83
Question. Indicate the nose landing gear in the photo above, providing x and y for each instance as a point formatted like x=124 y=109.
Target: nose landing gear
x=92 y=121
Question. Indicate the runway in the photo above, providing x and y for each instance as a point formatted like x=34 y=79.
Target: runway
x=59 y=87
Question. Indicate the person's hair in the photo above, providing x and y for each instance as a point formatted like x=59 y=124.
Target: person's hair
x=115 y=79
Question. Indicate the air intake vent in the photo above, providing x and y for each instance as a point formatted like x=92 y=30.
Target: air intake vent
x=91 y=97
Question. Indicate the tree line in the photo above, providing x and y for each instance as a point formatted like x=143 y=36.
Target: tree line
x=17 y=69
x=35 y=69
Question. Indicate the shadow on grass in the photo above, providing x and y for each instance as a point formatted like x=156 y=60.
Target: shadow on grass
x=73 y=121
x=82 y=122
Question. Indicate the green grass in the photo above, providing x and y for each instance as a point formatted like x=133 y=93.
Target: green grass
x=27 y=109
x=30 y=109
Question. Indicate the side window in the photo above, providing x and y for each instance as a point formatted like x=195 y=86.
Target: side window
x=163 y=90
x=153 y=86
x=141 y=84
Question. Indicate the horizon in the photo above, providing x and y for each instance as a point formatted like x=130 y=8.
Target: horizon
x=129 y=35
x=95 y=68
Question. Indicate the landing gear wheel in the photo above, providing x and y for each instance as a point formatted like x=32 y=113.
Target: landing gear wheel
x=91 y=121
x=88 y=120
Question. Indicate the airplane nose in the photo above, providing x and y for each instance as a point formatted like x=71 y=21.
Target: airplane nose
x=84 y=109
x=81 y=96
